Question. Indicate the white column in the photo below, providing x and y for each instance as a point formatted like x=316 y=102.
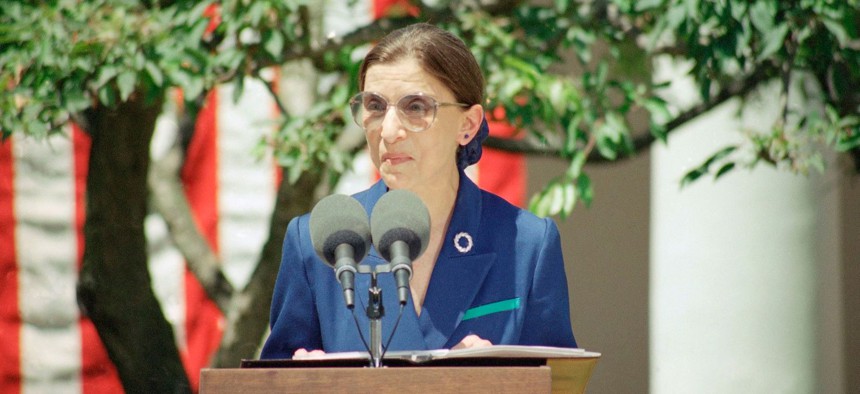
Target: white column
x=736 y=265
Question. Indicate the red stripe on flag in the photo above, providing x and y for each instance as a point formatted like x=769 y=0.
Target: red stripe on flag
x=501 y=172
x=203 y=328
x=82 y=144
x=10 y=316
x=98 y=373
x=276 y=112
x=393 y=8
x=199 y=172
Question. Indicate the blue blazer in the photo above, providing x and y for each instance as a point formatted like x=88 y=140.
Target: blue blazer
x=505 y=283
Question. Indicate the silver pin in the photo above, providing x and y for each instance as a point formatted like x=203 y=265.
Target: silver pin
x=461 y=248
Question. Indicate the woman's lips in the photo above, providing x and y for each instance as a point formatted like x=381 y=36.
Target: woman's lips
x=395 y=158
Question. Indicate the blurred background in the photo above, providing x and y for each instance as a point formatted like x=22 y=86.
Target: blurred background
x=700 y=159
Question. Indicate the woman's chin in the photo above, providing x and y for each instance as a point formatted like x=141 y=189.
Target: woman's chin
x=395 y=180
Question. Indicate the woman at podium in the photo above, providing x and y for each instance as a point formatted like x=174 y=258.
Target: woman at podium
x=491 y=273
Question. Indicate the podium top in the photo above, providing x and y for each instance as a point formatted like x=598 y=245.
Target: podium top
x=491 y=356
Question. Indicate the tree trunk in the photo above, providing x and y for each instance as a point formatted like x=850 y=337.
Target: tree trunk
x=114 y=288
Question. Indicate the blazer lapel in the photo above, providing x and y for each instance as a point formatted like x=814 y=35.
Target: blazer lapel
x=460 y=270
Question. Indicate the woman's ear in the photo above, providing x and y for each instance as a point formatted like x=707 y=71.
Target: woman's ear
x=471 y=123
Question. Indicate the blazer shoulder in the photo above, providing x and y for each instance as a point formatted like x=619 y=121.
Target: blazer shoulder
x=497 y=208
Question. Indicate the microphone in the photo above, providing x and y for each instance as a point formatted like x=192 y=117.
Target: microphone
x=400 y=228
x=340 y=234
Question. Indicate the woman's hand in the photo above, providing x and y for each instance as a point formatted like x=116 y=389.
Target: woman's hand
x=303 y=352
x=470 y=341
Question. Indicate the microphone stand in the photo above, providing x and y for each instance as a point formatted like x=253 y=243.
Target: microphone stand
x=375 y=312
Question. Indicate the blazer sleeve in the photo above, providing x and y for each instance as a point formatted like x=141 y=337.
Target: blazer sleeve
x=547 y=320
x=293 y=318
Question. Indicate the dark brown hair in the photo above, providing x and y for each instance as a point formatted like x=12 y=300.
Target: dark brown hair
x=438 y=52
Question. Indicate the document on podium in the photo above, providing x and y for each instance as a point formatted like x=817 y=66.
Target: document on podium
x=495 y=351
x=571 y=368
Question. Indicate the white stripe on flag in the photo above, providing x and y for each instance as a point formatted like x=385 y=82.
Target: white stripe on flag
x=47 y=250
x=246 y=182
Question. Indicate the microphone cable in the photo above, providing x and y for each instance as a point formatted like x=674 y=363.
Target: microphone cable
x=390 y=336
x=361 y=335
x=393 y=330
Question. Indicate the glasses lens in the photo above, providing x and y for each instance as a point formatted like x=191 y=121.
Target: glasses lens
x=368 y=109
x=416 y=111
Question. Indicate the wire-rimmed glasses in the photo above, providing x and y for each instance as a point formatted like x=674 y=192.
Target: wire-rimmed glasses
x=416 y=111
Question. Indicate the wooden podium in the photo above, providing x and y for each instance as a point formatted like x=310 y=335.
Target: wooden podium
x=462 y=376
x=495 y=380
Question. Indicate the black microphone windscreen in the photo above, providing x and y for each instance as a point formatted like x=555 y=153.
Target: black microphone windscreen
x=336 y=220
x=400 y=215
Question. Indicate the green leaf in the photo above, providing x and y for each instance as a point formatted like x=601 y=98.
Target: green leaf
x=585 y=190
x=703 y=169
x=75 y=100
x=274 y=44
x=721 y=154
x=512 y=87
x=644 y=5
x=773 y=40
x=848 y=139
x=294 y=173
x=195 y=87
x=837 y=30
x=568 y=199
x=107 y=96
x=692 y=176
x=659 y=110
x=557 y=97
x=106 y=74
x=576 y=164
x=726 y=168
x=522 y=66
x=762 y=15
x=556 y=198
x=541 y=203
x=126 y=82
x=154 y=73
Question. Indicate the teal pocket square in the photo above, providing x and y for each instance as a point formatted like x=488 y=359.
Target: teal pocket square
x=500 y=306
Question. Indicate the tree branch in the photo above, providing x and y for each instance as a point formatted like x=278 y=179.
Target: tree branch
x=169 y=199
x=642 y=139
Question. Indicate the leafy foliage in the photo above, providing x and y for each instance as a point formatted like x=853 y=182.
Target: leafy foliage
x=789 y=40
x=570 y=74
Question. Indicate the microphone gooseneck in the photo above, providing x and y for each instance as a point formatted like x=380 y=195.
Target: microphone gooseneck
x=340 y=233
x=400 y=229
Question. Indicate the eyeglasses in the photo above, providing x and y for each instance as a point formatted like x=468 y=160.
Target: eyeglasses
x=416 y=111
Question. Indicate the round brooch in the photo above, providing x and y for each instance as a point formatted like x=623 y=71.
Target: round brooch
x=458 y=244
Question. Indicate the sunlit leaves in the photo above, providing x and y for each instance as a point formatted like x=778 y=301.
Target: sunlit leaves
x=570 y=75
x=109 y=51
x=307 y=141
x=773 y=40
x=718 y=160
x=560 y=196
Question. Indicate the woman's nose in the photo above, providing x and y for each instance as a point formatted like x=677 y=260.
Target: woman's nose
x=392 y=128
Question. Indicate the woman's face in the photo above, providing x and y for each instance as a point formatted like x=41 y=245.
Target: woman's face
x=416 y=160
